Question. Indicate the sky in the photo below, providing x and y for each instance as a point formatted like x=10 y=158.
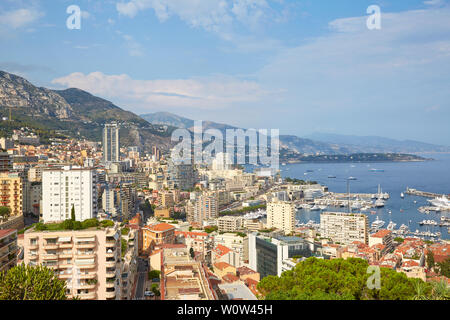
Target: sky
x=301 y=66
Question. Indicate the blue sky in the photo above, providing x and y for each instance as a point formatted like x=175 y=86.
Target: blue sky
x=299 y=66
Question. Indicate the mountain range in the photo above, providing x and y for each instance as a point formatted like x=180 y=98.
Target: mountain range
x=77 y=113
x=314 y=144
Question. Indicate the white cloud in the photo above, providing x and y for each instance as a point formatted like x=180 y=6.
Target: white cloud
x=19 y=18
x=200 y=93
x=212 y=15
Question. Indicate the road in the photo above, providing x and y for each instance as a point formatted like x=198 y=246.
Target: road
x=142 y=275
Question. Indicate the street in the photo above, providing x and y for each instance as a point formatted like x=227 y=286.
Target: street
x=142 y=276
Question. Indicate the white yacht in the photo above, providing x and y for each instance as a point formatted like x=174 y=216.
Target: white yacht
x=315 y=208
x=402 y=195
x=391 y=225
x=440 y=202
x=379 y=203
x=377 y=224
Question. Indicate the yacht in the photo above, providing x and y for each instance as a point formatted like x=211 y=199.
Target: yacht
x=391 y=225
x=315 y=208
x=323 y=207
x=379 y=203
x=331 y=177
x=402 y=195
x=356 y=205
x=440 y=202
x=377 y=224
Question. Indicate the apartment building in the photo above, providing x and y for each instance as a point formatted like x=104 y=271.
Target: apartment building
x=183 y=278
x=268 y=253
x=88 y=260
x=157 y=234
x=5 y=162
x=111 y=149
x=344 y=228
x=8 y=249
x=11 y=193
x=203 y=208
x=65 y=187
x=382 y=237
x=236 y=243
x=230 y=224
x=281 y=215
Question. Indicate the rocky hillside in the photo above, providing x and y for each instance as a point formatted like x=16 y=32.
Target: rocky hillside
x=17 y=92
x=75 y=113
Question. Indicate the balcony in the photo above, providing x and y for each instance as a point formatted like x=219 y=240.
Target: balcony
x=110 y=295
x=49 y=256
x=110 y=264
x=110 y=284
x=50 y=246
x=87 y=275
x=65 y=245
x=65 y=275
x=85 y=255
x=111 y=244
x=65 y=255
x=85 y=245
x=87 y=286
x=88 y=296
x=33 y=246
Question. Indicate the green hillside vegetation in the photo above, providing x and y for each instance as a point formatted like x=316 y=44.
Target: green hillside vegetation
x=339 y=279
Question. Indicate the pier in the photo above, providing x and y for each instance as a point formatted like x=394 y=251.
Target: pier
x=414 y=192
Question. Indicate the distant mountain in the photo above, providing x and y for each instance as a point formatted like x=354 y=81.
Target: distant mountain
x=377 y=144
x=292 y=143
x=73 y=112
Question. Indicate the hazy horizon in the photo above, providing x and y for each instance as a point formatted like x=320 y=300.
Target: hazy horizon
x=298 y=66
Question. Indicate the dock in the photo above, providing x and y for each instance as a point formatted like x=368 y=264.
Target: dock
x=414 y=192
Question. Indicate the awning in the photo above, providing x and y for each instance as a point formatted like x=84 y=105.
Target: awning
x=64 y=239
x=90 y=239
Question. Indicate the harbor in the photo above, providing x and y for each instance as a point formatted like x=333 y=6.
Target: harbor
x=405 y=207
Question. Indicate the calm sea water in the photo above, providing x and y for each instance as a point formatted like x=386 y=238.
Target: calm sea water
x=432 y=176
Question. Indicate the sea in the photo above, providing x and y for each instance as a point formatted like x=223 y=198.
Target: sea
x=393 y=177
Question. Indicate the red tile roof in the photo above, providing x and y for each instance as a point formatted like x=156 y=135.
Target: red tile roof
x=221 y=250
x=161 y=227
x=381 y=234
x=6 y=232
x=222 y=265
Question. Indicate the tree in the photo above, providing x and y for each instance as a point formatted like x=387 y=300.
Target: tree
x=338 y=279
x=4 y=213
x=72 y=213
x=192 y=253
x=430 y=260
x=444 y=267
x=31 y=283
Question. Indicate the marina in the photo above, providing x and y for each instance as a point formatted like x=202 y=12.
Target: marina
x=400 y=207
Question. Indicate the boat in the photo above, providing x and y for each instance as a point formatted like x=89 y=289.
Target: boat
x=391 y=225
x=440 y=202
x=331 y=177
x=323 y=207
x=373 y=212
x=378 y=223
x=315 y=208
x=379 y=203
x=352 y=178
x=356 y=205
x=376 y=170
x=402 y=195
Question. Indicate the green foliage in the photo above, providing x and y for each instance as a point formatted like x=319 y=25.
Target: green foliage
x=299 y=182
x=155 y=290
x=124 y=246
x=211 y=229
x=338 y=279
x=72 y=213
x=73 y=225
x=243 y=210
x=191 y=252
x=399 y=240
x=444 y=267
x=430 y=259
x=5 y=212
x=125 y=231
x=31 y=283
x=154 y=274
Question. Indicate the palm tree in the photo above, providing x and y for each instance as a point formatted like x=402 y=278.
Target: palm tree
x=441 y=290
x=419 y=287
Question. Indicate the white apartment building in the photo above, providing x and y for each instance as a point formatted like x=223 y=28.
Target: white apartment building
x=230 y=224
x=235 y=242
x=344 y=228
x=65 y=187
x=281 y=215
